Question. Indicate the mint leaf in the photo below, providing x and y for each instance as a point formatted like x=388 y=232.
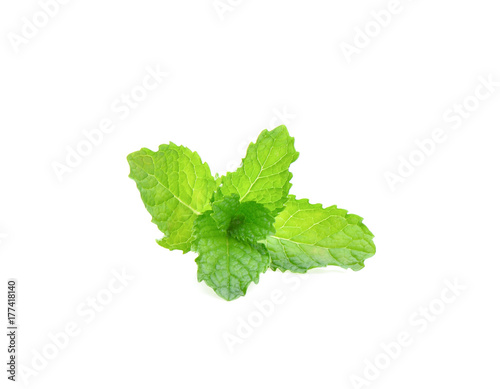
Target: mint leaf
x=224 y=209
x=245 y=222
x=309 y=236
x=226 y=264
x=248 y=221
x=176 y=187
x=264 y=176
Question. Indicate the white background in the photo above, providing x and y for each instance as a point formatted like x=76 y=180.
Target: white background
x=229 y=78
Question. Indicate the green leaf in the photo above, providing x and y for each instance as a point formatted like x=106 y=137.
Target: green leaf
x=176 y=187
x=226 y=264
x=224 y=209
x=264 y=176
x=247 y=221
x=309 y=236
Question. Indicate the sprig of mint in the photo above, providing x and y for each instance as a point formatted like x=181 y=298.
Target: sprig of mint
x=245 y=222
